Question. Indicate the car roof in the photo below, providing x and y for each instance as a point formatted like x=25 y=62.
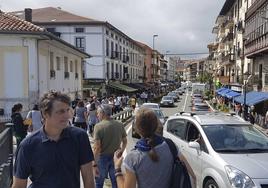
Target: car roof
x=200 y=104
x=148 y=103
x=211 y=118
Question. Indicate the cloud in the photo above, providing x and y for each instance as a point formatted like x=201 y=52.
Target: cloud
x=181 y=25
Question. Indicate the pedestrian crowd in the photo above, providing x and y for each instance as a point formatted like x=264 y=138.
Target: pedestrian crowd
x=58 y=148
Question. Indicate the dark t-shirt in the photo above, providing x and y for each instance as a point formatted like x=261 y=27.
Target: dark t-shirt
x=53 y=164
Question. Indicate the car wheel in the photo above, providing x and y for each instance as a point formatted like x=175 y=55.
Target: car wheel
x=211 y=184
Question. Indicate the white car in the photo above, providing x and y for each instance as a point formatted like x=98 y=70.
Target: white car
x=150 y=105
x=223 y=150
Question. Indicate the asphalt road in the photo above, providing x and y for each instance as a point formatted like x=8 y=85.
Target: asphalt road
x=183 y=104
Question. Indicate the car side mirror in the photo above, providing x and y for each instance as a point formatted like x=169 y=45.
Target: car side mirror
x=194 y=145
x=166 y=117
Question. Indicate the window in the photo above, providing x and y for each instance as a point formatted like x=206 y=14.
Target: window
x=58 y=63
x=120 y=52
x=193 y=134
x=107 y=32
x=80 y=43
x=75 y=66
x=51 y=57
x=71 y=66
x=112 y=35
x=112 y=48
x=51 y=29
x=107 y=70
x=79 y=30
x=177 y=127
x=107 y=47
x=65 y=64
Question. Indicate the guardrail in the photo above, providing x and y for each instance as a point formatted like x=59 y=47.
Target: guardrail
x=6 y=157
x=123 y=116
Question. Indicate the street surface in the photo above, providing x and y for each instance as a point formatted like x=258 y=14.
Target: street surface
x=182 y=105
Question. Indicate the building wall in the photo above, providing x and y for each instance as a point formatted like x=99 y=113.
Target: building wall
x=14 y=75
x=69 y=85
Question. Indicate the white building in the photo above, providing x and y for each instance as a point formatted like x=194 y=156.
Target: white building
x=33 y=61
x=115 y=56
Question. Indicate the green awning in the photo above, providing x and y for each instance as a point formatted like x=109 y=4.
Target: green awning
x=91 y=87
x=121 y=87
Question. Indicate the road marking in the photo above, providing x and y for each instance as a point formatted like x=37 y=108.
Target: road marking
x=185 y=101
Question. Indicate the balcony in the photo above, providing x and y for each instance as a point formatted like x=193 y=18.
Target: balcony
x=66 y=75
x=52 y=74
x=229 y=58
x=228 y=38
x=256 y=42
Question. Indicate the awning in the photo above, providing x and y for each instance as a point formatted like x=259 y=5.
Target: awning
x=252 y=98
x=91 y=87
x=121 y=87
x=223 y=92
x=221 y=89
x=232 y=94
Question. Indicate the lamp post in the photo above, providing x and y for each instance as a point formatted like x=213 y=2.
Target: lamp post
x=154 y=36
x=247 y=76
x=153 y=40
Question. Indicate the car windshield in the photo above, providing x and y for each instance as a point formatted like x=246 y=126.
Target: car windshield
x=159 y=114
x=167 y=98
x=236 y=138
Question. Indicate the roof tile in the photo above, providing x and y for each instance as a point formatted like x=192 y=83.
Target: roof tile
x=9 y=22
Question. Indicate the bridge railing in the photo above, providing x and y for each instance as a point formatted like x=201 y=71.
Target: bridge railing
x=123 y=116
x=6 y=157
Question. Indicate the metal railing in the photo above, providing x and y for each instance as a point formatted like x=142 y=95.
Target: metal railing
x=123 y=116
x=6 y=157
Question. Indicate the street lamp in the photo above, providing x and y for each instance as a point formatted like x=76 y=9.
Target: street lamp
x=247 y=76
x=153 y=40
x=154 y=57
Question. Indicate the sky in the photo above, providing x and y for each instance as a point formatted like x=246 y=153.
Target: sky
x=182 y=26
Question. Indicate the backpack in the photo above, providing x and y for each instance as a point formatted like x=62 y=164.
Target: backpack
x=179 y=176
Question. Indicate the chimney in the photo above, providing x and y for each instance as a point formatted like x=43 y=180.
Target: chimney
x=28 y=14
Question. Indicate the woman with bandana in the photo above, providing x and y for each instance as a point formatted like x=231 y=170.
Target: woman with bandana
x=149 y=165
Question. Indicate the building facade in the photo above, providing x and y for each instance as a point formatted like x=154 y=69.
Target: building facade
x=33 y=61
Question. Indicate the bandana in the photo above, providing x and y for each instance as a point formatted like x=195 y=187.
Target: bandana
x=143 y=145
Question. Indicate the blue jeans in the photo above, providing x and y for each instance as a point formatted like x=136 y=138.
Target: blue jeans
x=105 y=165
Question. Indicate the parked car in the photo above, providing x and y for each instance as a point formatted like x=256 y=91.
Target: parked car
x=167 y=101
x=162 y=120
x=223 y=150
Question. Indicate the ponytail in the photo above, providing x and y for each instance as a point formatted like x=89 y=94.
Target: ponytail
x=152 y=153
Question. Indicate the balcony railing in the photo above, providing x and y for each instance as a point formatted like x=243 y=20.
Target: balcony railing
x=229 y=58
x=66 y=75
x=52 y=74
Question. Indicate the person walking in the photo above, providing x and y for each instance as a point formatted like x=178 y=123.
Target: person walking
x=80 y=119
x=150 y=164
x=109 y=136
x=54 y=155
x=92 y=118
x=20 y=128
x=36 y=117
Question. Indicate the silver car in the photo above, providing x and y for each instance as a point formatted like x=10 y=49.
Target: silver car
x=167 y=101
x=223 y=150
